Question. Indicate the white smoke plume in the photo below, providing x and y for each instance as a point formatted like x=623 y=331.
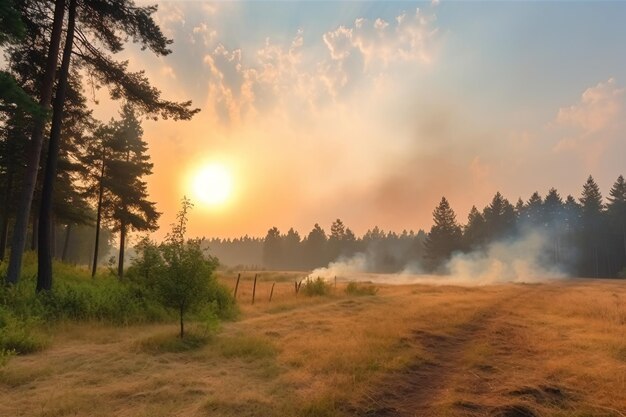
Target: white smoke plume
x=514 y=260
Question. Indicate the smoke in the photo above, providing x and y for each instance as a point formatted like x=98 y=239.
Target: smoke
x=514 y=260
x=344 y=268
x=521 y=259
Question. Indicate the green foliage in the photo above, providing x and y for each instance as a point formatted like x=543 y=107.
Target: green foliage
x=355 y=289
x=78 y=297
x=316 y=287
x=181 y=275
x=18 y=335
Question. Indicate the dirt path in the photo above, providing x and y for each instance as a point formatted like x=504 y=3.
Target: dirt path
x=417 y=390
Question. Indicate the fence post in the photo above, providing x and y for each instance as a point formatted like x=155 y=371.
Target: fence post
x=237 y=285
x=254 y=289
x=272 y=291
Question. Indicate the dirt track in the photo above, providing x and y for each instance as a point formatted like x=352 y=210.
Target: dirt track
x=418 y=389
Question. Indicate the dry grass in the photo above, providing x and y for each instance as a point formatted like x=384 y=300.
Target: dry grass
x=552 y=349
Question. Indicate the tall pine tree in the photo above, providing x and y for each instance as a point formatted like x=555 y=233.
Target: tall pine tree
x=445 y=235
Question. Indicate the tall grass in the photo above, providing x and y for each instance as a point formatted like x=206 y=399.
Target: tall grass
x=78 y=297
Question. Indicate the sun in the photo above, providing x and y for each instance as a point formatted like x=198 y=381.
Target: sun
x=213 y=185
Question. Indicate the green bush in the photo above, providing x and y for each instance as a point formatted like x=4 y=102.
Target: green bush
x=355 y=289
x=180 y=275
x=316 y=287
x=76 y=296
x=18 y=335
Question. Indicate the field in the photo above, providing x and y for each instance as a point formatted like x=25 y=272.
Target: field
x=554 y=349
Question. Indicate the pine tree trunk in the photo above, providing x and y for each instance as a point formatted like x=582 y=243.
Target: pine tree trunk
x=20 y=230
x=4 y=230
x=53 y=238
x=120 y=264
x=66 y=242
x=33 y=237
x=46 y=224
x=98 y=216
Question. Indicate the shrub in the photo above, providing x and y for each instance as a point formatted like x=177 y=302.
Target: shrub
x=355 y=289
x=18 y=335
x=316 y=287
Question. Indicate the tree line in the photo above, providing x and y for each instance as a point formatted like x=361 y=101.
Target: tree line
x=584 y=237
x=59 y=166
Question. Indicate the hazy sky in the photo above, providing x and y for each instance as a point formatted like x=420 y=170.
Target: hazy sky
x=371 y=111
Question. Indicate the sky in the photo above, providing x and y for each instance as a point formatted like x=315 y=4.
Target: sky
x=372 y=111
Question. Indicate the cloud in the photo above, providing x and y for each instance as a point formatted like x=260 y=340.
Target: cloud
x=168 y=72
x=598 y=108
x=339 y=42
x=292 y=74
x=206 y=35
x=380 y=43
x=590 y=127
x=169 y=15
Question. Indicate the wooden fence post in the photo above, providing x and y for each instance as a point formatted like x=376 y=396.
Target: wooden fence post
x=254 y=289
x=237 y=285
x=272 y=291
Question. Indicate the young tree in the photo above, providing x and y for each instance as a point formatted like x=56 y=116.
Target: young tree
x=186 y=274
x=445 y=235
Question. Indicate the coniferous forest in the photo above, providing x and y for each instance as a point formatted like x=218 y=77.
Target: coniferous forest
x=71 y=184
x=583 y=236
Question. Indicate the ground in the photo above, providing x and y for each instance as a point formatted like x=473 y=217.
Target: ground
x=552 y=349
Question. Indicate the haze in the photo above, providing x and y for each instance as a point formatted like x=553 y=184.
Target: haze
x=371 y=111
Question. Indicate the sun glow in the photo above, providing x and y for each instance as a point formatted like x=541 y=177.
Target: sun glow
x=212 y=185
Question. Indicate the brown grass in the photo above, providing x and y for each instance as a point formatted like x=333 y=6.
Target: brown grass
x=550 y=350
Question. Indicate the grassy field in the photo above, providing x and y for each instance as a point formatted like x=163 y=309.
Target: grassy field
x=555 y=349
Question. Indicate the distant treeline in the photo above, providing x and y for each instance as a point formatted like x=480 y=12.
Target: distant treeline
x=387 y=251
x=584 y=237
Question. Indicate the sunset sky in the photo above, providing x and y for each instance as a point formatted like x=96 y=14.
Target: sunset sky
x=371 y=111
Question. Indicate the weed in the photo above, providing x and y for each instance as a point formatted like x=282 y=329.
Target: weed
x=316 y=287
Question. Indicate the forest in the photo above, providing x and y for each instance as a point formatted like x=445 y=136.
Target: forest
x=584 y=236
x=69 y=182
